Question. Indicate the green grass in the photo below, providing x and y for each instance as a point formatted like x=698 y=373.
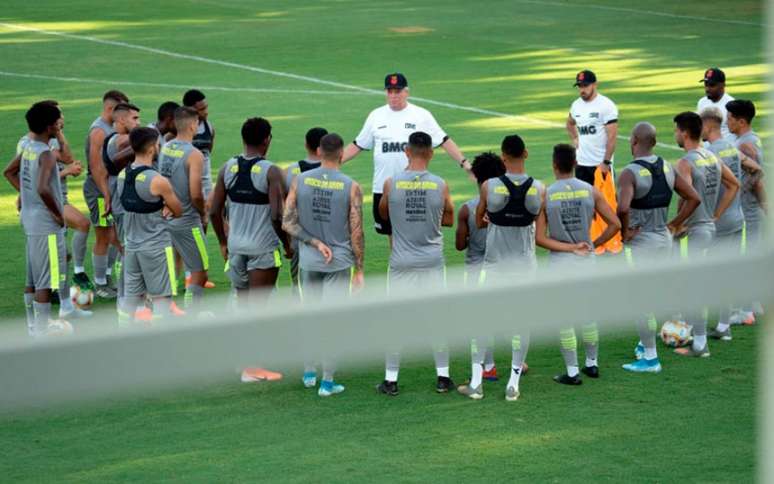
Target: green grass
x=694 y=422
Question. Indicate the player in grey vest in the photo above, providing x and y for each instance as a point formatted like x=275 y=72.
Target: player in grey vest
x=645 y=188
x=42 y=219
x=740 y=116
x=564 y=228
x=707 y=174
x=254 y=189
x=469 y=237
x=417 y=204
x=117 y=153
x=730 y=225
x=97 y=192
x=312 y=161
x=255 y=192
x=508 y=207
x=182 y=163
x=149 y=265
x=204 y=137
x=74 y=219
x=324 y=211
x=472 y=239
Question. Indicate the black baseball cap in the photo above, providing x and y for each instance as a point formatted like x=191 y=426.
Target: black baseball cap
x=395 y=80
x=714 y=74
x=584 y=78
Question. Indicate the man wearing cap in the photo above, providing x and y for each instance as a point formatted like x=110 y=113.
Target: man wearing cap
x=387 y=130
x=716 y=97
x=593 y=127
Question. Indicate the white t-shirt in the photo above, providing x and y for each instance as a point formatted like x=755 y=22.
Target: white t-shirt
x=706 y=102
x=386 y=132
x=590 y=119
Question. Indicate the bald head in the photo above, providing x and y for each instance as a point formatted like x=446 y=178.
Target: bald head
x=643 y=138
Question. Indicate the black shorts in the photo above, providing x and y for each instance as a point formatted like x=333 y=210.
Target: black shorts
x=382 y=226
x=586 y=173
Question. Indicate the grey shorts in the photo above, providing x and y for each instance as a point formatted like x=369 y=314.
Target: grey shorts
x=325 y=285
x=96 y=203
x=189 y=243
x=696 y=242
x=149 y=272
x=408 y=279
x=753 y=234
x=46 y=261
x=240 y=264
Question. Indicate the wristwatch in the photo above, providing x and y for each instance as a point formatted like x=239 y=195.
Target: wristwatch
x=607 y=162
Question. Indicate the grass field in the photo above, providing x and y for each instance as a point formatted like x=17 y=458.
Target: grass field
x=695 y=422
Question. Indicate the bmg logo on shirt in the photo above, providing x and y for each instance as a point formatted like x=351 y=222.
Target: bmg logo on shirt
x=587 y=129
x=394 y=147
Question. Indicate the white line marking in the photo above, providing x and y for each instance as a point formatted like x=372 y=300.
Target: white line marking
x=298 y=77
x=647 y=12
x=179 y=86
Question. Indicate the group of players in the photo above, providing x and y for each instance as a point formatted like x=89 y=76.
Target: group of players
x=150 y=196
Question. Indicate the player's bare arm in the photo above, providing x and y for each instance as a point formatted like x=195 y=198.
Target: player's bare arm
x=462 y=234
x=216 y=212
x=161 y=187
x=64 y=153
x=195 y=166
x=731 y=186
x=481 y=221
x=97 y=168
x=384 y=203
x=691 y=201
x=47 y=164
x=11 y=172
x=625 y=196
x=291 y=225
x=356 y=230
x=276 y=202
x=605 y=211
x=447 y=220
x=749 y=158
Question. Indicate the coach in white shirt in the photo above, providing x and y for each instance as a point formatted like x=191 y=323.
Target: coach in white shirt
x=386 y=132
x=716 y=97
x=593 y=128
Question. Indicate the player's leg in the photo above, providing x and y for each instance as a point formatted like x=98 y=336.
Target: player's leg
x=396 y=280
x=436 y=279
x=335 y=287
x=29 y=290
x=730 y=244
x=47 y=272
x=134 y=292
x=189 y=243
x=67 y=310
x=647 y=327
x=519 y=348
x=80 y=225
x=698 y=242
x=568 y=344
x=261 y=276
x=590 y=335
x=158 y=268
x=310 y=286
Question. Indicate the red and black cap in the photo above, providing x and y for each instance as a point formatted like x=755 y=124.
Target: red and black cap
x=395 y=81
x=584 y=78
x=714 y=75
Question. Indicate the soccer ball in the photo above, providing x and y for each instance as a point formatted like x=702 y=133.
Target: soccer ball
x=82 y=298
x=676 y=334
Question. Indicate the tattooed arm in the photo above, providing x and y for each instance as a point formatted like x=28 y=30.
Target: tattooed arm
x=356 y=232
x=291 y=225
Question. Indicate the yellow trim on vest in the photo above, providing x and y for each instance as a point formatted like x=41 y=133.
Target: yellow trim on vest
x=416 y=185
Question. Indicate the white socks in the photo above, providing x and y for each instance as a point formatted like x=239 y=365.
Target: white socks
x=476 y=374
x=572 y=371
x=513 y=381
x=444 y=372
